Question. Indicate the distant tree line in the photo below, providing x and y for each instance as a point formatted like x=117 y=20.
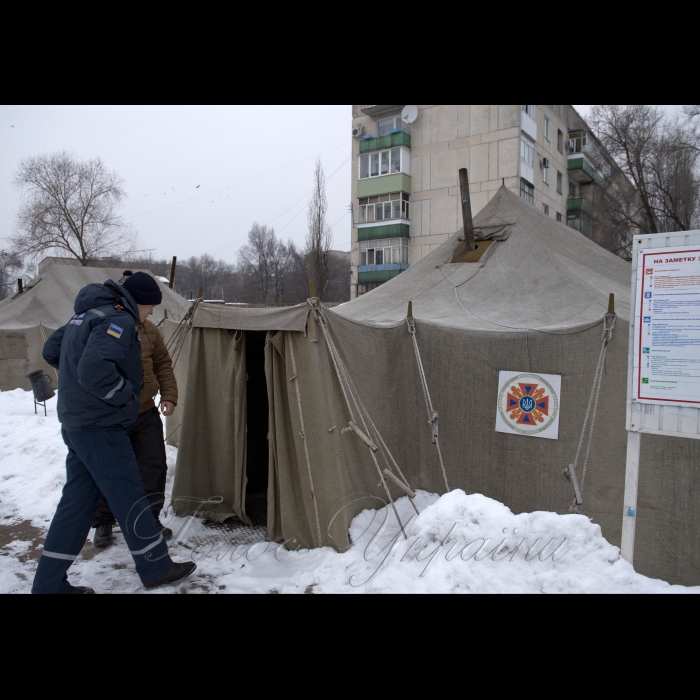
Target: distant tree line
x=69 y=208
x=267 y=271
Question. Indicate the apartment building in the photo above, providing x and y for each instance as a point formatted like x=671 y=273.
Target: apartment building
x=405 y=176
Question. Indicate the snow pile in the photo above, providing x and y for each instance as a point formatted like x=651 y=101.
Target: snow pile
x=32 y=459
x=458 y=544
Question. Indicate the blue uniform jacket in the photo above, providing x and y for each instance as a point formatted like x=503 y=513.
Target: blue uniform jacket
x=98 y=355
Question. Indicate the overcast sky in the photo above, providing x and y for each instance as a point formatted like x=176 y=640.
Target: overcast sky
x=198 y=176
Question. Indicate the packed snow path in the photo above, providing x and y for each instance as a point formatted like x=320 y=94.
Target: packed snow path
x=459 y=544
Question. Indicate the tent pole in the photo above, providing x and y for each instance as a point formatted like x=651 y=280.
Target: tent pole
x=629 y=519
x=467 y=210
x=172 y=271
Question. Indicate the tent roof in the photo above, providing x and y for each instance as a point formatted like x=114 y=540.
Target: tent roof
x=49 y=298
x=543 y=276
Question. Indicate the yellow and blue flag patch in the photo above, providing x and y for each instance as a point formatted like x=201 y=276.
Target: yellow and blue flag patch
x=115 y=331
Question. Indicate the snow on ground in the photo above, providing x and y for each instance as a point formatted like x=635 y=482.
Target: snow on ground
x=459 y=544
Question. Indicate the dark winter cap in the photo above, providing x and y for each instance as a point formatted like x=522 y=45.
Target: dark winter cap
x=144 y=289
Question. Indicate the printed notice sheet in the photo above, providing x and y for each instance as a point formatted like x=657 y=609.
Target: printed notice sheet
x=667 y=327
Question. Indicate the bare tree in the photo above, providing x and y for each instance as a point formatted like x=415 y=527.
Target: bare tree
x=10 y=272
x=257 y=259
x=69 y=207
x=319 y=237
x=660 y=156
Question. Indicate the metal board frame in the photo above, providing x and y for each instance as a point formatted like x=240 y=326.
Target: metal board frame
x=649 y=417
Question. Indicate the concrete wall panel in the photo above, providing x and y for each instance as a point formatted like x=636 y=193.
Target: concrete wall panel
x=443 y=215
x=463 y=113
x=493 y=160
x=479 y=163
x=425 y=181
x=426 y=226
x=508 y=116
x=509 y=158
x=444 y=170
x=444 y=124
x=480 y=119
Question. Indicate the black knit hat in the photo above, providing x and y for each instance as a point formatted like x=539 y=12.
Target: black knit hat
x=144 y=289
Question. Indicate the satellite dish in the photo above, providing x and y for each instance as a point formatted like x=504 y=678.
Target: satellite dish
x=409 y=114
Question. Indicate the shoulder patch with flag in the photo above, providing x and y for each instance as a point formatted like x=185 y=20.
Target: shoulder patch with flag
x=115 y=331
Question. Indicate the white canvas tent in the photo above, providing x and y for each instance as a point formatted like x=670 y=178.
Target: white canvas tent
x=46 y=304
x=272 y=392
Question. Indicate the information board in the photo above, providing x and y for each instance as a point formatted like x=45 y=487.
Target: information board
x=667 y=335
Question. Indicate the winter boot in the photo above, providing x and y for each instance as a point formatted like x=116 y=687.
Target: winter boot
x=79 y=590
x=165 y=531
x=103 y=536
x=178 y=573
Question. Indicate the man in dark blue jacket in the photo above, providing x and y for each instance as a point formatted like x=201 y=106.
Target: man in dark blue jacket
x=99 y=357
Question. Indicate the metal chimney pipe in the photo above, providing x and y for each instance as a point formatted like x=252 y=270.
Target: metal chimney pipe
x=467 y=210
x=172 y=271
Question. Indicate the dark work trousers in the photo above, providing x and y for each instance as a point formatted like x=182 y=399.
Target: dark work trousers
x=100 y=461
x=149 y=448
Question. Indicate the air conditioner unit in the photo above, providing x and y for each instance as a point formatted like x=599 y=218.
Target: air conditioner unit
x=545 y=162
x=358 y=131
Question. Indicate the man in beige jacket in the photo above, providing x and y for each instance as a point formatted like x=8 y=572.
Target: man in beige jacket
x=146 y=433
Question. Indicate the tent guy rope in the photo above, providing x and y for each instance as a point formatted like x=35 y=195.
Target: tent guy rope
x=592 y=411
x=432 y=413
x=348 y=387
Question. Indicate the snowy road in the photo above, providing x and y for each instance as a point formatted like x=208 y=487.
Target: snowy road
x=459 y=544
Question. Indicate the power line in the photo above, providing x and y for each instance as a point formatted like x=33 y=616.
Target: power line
x=242 y=182
x=305 y=197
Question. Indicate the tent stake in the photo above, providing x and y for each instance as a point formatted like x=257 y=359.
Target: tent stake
x=363 y=437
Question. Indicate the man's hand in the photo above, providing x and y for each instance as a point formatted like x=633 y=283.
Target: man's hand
x=167 y=407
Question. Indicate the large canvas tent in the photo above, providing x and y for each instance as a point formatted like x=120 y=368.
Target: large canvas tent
x=46 y=304
x=271 y=394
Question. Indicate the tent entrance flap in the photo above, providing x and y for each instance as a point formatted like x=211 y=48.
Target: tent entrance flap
x=257 y=418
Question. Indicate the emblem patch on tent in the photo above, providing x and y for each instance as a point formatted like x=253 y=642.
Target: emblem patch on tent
x=115 y=331
x=528 y=404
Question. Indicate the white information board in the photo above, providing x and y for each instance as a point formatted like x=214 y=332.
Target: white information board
x=663 y=394
x=667 y=338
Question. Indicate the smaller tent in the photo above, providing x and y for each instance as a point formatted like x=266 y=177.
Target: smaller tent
x=46 y=304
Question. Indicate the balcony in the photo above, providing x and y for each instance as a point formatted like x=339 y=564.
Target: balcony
x=376 y=110
x=386 y=184
x=391 y=140
x=378 y=274
x=374 y=233
x=581 y=170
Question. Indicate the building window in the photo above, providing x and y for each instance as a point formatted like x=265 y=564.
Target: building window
x=396 y=160
x=545 y=209
x=391 y=251
x=364 y=288
x=386 y=126
x=572 y=189
x=385 y=208
x=527 y=191
x=545 y=175
x=560 y=141
x=578 y=141
x=547 y=127
x=529 y=110
x=560 y=183
x=559 y=219
x=527 y=151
